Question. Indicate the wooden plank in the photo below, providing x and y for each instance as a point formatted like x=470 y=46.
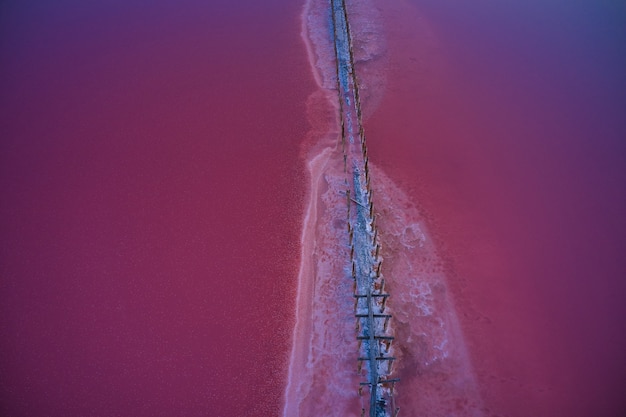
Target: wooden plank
x=371 y=295
x=379 y=358
x=375 y=337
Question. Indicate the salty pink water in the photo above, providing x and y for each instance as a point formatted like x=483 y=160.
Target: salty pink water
x=153 y=193
x=151 y=206
x=506 y=122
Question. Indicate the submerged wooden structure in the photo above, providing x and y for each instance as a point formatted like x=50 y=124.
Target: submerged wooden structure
x=374 y=359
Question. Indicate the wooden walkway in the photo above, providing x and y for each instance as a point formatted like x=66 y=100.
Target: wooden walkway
x=374 y=342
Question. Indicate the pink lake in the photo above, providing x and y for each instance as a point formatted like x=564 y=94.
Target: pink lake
x=151 y=206
x=153 y=186
x=507 y=123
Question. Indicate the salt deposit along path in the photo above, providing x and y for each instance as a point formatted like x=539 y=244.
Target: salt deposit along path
x=349 y=357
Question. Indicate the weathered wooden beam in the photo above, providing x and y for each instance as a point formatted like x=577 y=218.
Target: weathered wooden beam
x=376 y=337
x=388 y=381
x=372 y=295
x=381 y=381
x=378 y=358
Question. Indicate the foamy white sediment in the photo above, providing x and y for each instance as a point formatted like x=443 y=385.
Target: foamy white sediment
x=319 y=44
x=437 y=377
x=296 y=387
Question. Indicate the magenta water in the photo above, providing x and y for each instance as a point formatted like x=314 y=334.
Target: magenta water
x=151 y=206
x=170 y=184
x=499 y=177
x=508 y=132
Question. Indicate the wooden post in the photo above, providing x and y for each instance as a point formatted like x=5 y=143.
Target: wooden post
x=377 y=250
x=386 y=324
x=378 y=268
x=387 y=344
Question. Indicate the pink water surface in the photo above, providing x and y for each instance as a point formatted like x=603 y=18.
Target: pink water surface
x=150 y=209
x=505 y=121
x=152 y=194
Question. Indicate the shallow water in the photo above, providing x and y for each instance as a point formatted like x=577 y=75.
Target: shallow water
x=151 y=206
x=503 y=123
x=171 y=214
